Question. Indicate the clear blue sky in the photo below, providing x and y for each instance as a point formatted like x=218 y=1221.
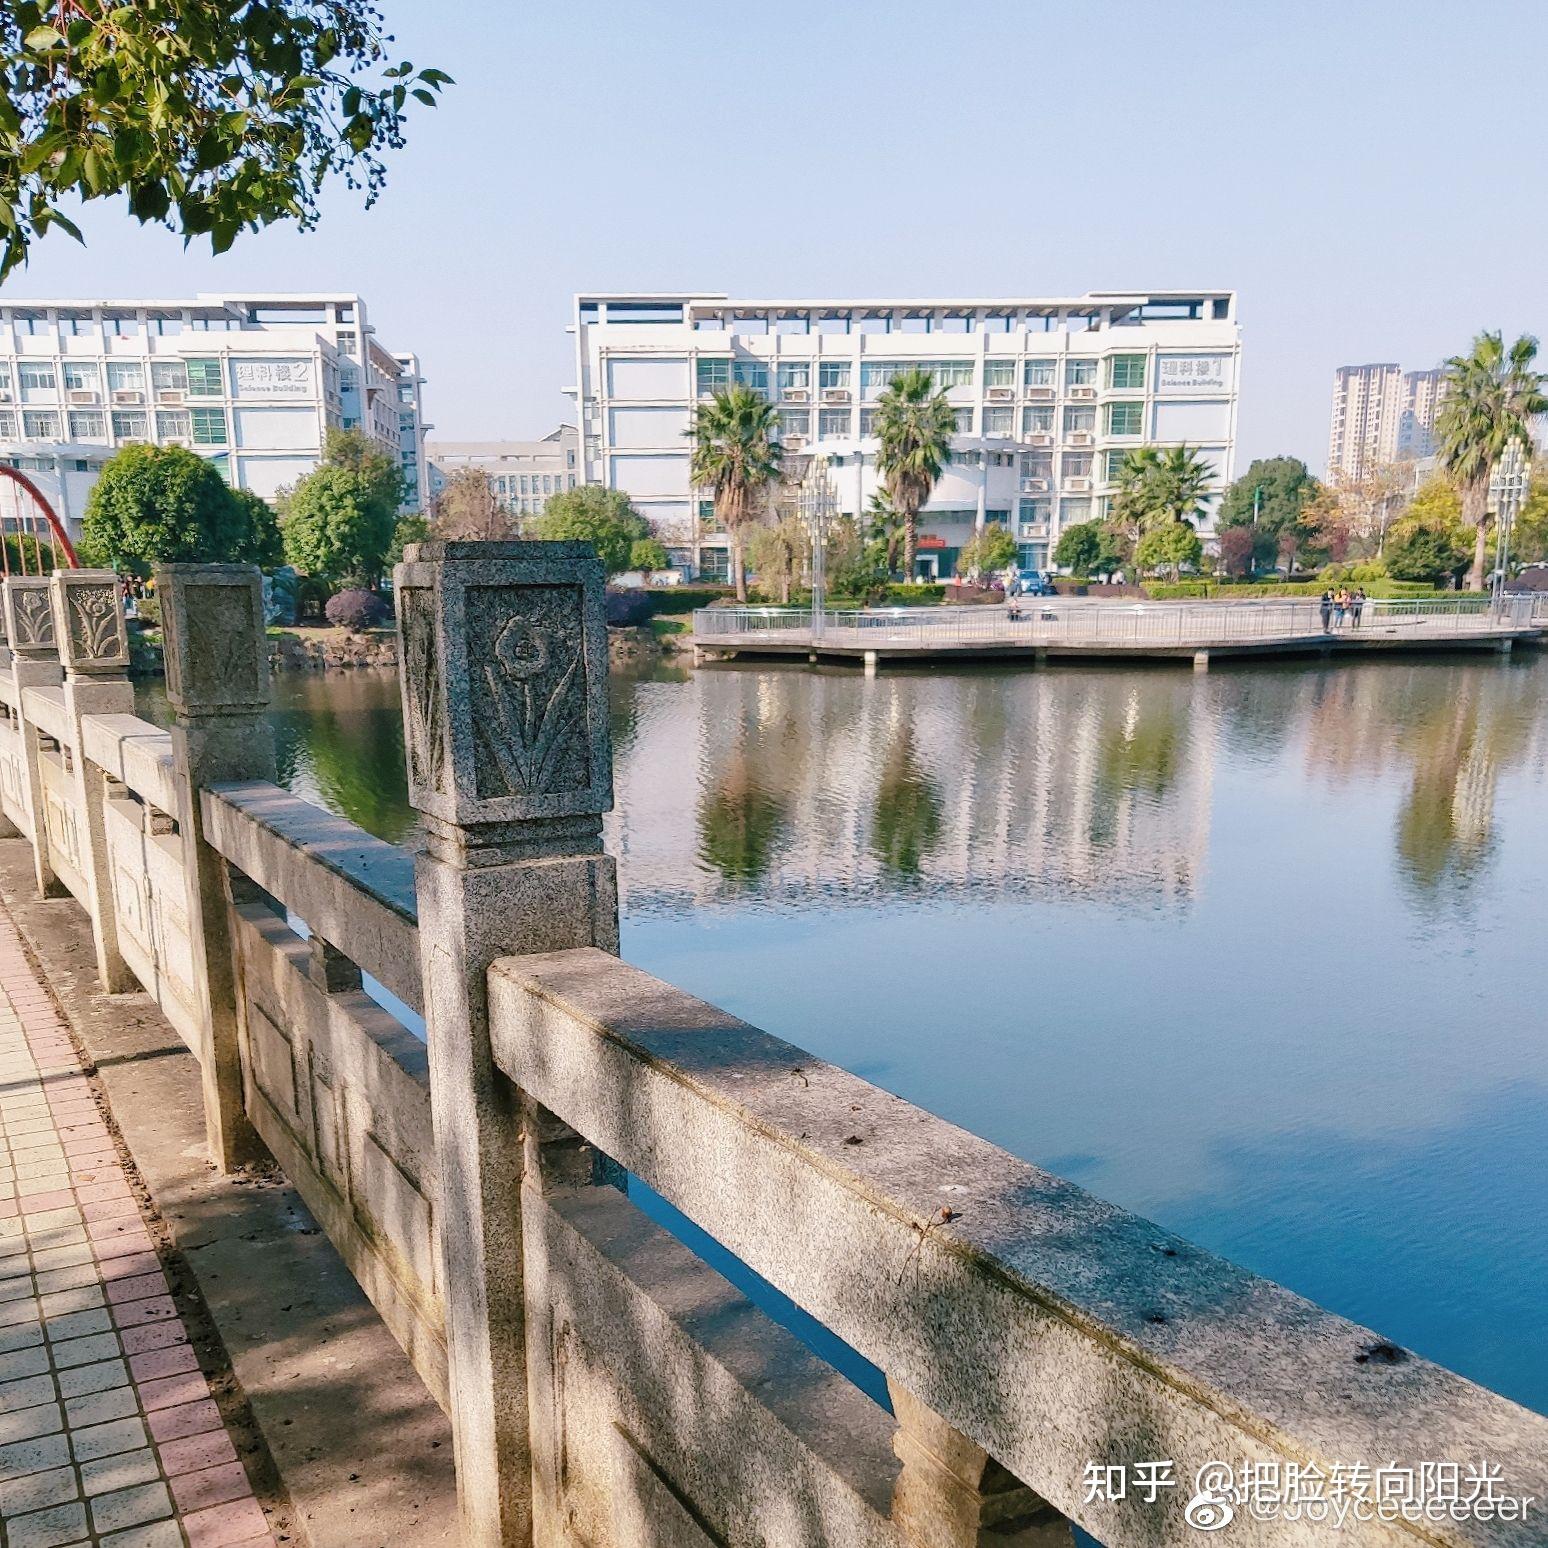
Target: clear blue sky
x=1365 y=175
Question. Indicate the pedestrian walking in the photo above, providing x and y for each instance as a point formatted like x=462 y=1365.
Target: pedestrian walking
x=1327 y=607
x=1359 y=604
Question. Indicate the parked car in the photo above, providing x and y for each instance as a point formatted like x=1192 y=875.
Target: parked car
x=1034 y=583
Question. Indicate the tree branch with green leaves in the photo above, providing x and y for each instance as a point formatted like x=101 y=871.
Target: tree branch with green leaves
x=210 y=116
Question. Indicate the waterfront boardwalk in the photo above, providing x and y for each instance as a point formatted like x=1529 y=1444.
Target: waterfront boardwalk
x=108 y=1430
x=1038 y=629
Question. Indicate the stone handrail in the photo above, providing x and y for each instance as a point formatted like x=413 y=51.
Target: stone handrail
x=1047 y=1325
x=607 y=1386
x=353 y=890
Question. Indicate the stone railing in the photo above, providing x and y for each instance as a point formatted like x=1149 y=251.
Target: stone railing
x=607 y=1386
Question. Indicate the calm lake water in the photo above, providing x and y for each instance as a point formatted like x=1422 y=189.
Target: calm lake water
x=1257 y=953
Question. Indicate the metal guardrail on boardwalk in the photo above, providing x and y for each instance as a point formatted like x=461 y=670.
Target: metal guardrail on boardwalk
x=1160 y=625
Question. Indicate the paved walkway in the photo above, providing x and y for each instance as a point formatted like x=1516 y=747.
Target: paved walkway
x=108 y=1432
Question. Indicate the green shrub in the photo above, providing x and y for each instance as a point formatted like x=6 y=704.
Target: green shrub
x=913 y=593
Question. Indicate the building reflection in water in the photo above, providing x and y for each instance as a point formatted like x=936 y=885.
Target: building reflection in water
x=776 y=786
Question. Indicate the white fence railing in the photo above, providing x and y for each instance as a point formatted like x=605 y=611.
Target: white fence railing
x=1159 y=624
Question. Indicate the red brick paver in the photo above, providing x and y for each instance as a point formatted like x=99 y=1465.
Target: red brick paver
x=106 y=1423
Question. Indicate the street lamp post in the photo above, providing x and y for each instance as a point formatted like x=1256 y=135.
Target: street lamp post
x=816 y=504
x=1507 y=485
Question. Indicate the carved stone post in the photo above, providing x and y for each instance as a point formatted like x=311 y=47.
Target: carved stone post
x=94 y=648
x=952 y=1494
x=29 y=622
x=218 y=684
x=504 y=671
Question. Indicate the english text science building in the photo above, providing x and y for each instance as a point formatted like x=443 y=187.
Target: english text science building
x=1049 y=394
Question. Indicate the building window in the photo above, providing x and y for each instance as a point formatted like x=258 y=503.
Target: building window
x=75 y=324
x=1125 y=418
x=7 y=425
x=1079 y=421
x=790 y=325
x=795 y=422
x=87 y=426
x=79 y=377
x=1033 y=511
x=832 y=325
x=128 y=426
x=751 y=373
x=708 y=521
x=1114 y=459
x=166 y=325
x=1040 y=373
x=40 y=425
x=125 y=376
x=169 y=376
x=37 y=380
x=1038 y=420
x=172 y=424
x=1038 y=464
x=796 y=373
x=964 y=418
x=867 y=423
x=209 y=426
x=1080 y=373
x=121 y=326
x=1072 y=512
x=833 y=424
x=999 y=373
x=1126 y=371
x=833 y=373
x=5 y=376
x=30 y=324
x=204 y=379
x=1076 y=465
x=715 y=565
x=1000 y=421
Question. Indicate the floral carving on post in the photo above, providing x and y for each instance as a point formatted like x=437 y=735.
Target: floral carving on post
x=533 y=726
x=34 y=620
x=94 y=615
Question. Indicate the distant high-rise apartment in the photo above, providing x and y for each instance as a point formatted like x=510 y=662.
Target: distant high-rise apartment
x=252 y=383
x=1381 y=414
x=1050 y=395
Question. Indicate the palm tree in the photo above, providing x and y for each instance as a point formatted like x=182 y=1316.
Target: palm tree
x=1157 y=487
x=914 y=423
x=736 y=455
x=1489 y=398
x=886 y=528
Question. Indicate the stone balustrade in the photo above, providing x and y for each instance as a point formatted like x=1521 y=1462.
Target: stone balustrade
x=607 y=1386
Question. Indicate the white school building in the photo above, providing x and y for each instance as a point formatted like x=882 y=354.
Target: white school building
x=1050 y=394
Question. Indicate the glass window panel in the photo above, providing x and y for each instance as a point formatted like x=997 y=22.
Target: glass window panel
x=81 y=376
x=751 y=373
x=87 y=425
x=833 y=424
x=125 y=376
x=1125 y=418
x=714 y=375
x=999 y=373
x=129 y=425
x=795 y=373
x=1080 y=373
x=795 y=421
x=169 y=376
x=172 y=422
x=1126 y=371
x=999 y=421
x=1037 y=419
x=833 y=373
x=209 y=426
x=1079 y=420
x=964 y=417
x=40 y=425
x=1076 y=465
x=204 y=378
x=1040 y=373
